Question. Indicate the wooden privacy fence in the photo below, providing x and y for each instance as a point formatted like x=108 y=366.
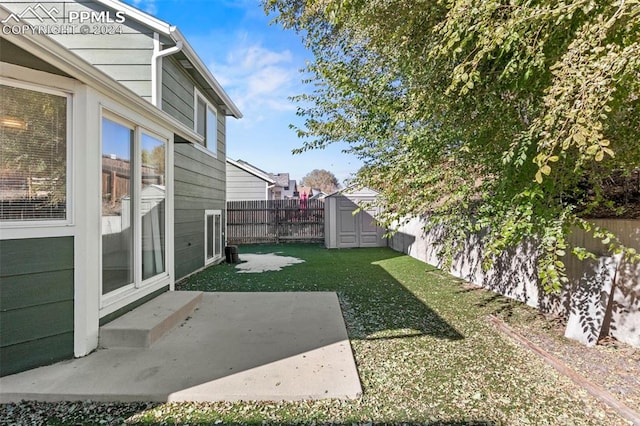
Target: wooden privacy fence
x=275 y=221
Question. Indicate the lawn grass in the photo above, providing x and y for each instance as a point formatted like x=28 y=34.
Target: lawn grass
x=424 y=349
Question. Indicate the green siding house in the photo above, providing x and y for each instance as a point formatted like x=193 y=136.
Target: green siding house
x=112 y=171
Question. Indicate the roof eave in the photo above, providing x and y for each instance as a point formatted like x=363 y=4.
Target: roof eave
x=74 y=66
x=251 y=171
x=140 y=16
x=174 y=33
x=230 y=107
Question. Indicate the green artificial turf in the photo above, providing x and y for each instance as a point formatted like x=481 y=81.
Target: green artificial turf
x=424 y=349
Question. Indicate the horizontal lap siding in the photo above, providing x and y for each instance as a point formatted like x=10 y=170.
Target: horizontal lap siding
x=199 y=179
x=36 y=307
x=177 y=92
x=199 y=186
x=125 y=57
x=242 y=185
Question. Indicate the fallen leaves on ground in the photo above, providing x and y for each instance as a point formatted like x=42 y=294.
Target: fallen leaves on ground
x=425 y=354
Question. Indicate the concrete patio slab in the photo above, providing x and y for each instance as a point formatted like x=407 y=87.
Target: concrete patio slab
x=235 y=346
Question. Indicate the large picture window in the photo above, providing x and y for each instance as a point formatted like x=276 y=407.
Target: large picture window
x=33 y=155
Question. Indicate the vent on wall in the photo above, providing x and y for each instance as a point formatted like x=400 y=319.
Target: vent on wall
x=186 y=64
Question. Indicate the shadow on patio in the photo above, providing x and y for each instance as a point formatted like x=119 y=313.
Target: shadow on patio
x=269 y=336
x=375 y=303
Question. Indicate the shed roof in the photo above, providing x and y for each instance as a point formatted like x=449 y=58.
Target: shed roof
x=355 y=192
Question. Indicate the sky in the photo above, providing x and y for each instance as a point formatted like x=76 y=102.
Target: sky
x=258 y=64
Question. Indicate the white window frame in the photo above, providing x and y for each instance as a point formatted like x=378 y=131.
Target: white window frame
x=120 y=297
x=52 y=227
x=214 y=213
x=212 y=150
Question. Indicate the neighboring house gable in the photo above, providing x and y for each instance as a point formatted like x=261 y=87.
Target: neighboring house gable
x=318 y=194
x=305 y=191
x=291 y=191
x=246 y=182
x=281 y=186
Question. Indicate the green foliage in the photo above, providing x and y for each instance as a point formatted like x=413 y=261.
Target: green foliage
x=498 y=116
x=322 y=179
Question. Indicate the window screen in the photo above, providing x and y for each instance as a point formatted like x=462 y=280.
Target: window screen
x=212 y=130
x=206 y=123
x=210 y=237
x=33 y=155
x=201 y=118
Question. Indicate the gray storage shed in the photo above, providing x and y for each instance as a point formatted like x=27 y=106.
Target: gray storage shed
x=343 y=228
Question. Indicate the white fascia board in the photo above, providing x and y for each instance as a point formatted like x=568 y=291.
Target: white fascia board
x=251 y=171
x=138 y=15
x=175 y=34
x=231 y=107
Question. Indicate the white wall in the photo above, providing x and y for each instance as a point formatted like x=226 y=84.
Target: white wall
x=583 y=301
x=242 y=185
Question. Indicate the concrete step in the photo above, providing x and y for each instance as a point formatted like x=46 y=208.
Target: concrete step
x=147 y=323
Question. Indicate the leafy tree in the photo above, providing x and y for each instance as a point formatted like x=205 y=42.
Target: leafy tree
x=320 y=178
x=154 y=158
x=493 y=115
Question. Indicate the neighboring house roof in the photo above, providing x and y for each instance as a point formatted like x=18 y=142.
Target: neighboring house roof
x=318 y=194
x=282 y=179
x=173 y=33
x=243 y=165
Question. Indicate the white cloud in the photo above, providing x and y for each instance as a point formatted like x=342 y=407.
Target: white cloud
x=257 y=78
x=148 y=6
x=257 y=57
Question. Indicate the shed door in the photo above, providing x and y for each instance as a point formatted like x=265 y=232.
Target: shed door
x=347 y=223
x=359 y=230
x=370 y=235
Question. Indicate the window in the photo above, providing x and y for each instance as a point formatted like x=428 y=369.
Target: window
x=152 y=210
x=206 y=122
x=133 y=205
x=213 y=235
x=33 y=154
x=118 y=142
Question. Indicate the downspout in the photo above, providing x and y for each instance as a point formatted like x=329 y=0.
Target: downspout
x=156 y=70
x=266 y=190
x=156 y=99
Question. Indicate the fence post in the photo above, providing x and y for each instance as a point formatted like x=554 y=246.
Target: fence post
x=276 y=203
